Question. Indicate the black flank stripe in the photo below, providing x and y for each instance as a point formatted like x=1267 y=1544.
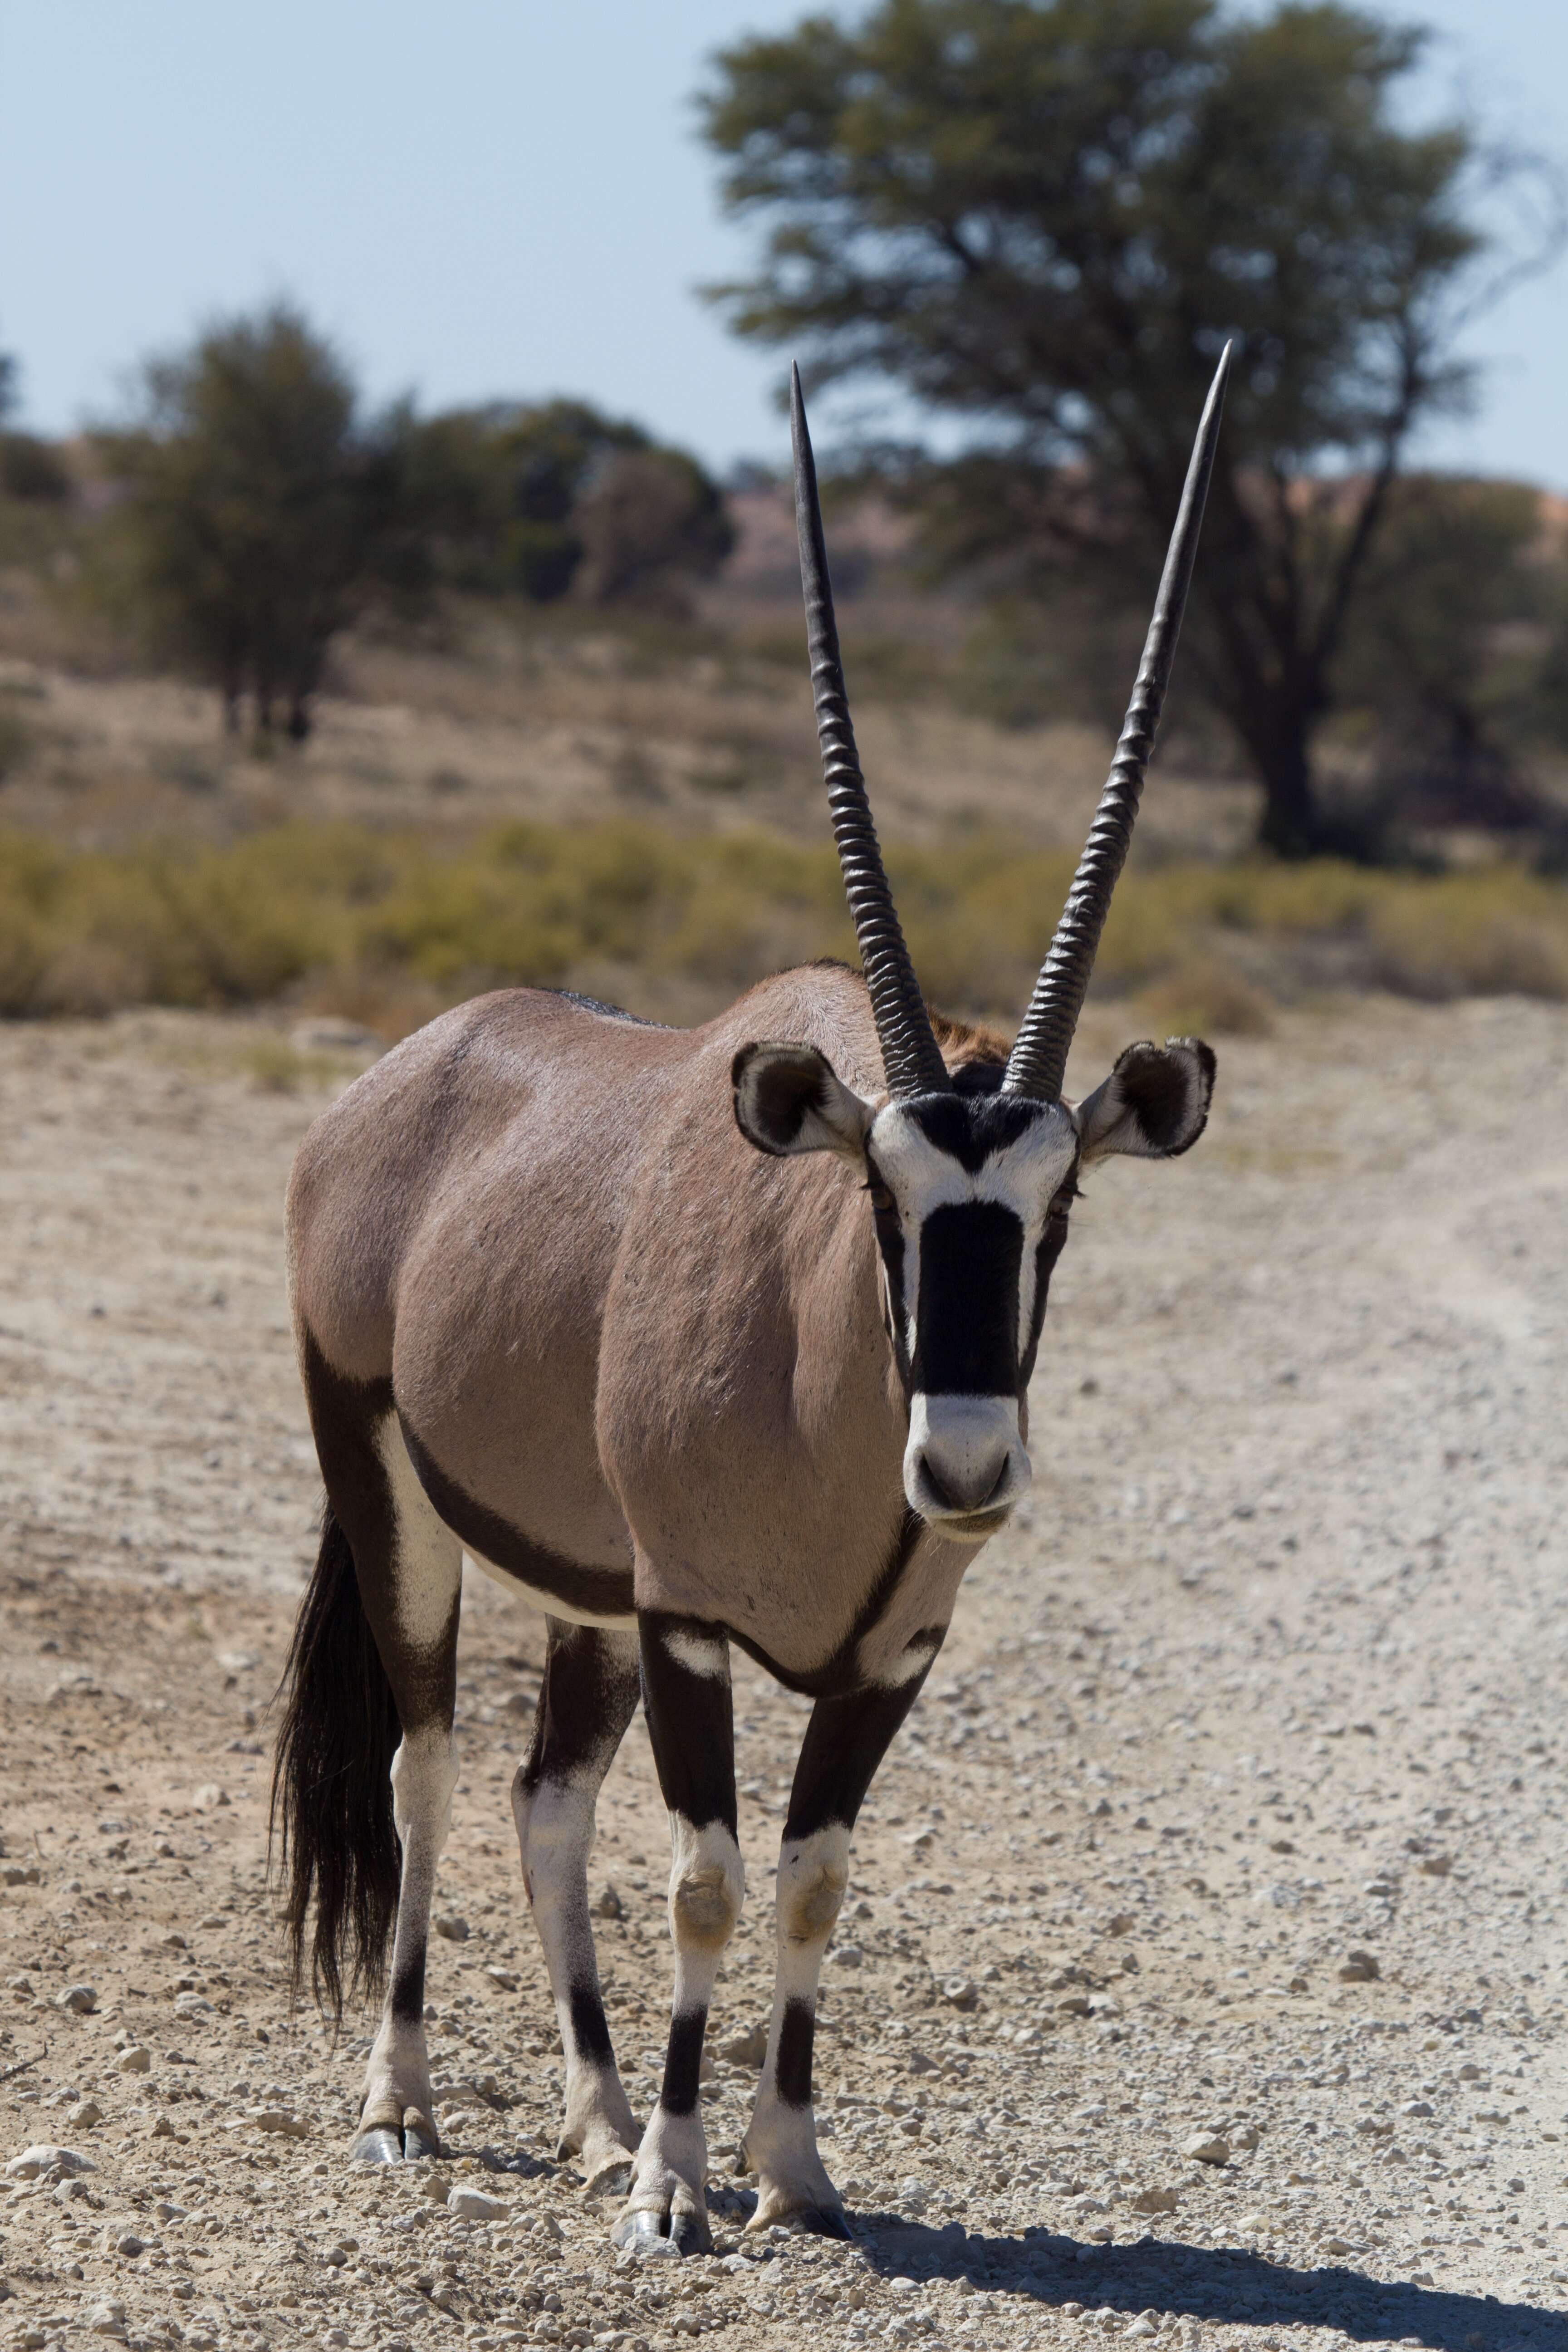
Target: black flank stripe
x=598 y=1592
x=683 y=2062
x=792 y=2076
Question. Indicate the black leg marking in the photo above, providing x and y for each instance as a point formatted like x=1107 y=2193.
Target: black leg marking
x=590 y=2028
x=408 y=1990
x=797 y=2035
x=683 y=2062
x=691 y=1718
x=845 y=1742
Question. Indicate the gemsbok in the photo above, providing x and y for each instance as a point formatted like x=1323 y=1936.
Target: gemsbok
x=690 y=1338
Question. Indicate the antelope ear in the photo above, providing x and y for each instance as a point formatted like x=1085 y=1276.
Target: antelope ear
x=1153 y=1105
x=787 y=1099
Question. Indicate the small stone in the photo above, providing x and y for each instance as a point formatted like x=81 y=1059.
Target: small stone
x=161 y=2127
x=1436 y=1865
x=1154 y=2200
x=503 y=1977
x=279 y=2120
x=137 y=2060
x=473 y=2205
x=432 y=2185
x=131 y=2245
x=43 y=2158
x=1143 y=2328
x=1122 y=1924
x=209 y=1797
x=1246 y=2135
x=607 y=1903
x=81 y=2000
x=541 y=2225
x=958 y=1993
x=106 y=2320
x=1360 y=1968
x=1469 y=2072
x=749 y=2047
x=914 y=2195
x=1207 y=2148
x=453 y=1927
x=846 y=1956
x=85 y=2114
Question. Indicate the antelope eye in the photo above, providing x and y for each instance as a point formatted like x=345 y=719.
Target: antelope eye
x=882 y=1202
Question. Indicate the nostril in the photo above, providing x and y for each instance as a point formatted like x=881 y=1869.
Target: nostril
x=968 y=1493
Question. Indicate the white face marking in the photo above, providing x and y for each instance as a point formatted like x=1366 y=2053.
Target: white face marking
x=965 y=1463
x=1023 y=1176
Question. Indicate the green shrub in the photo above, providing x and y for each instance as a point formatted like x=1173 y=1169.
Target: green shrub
x=359 y=917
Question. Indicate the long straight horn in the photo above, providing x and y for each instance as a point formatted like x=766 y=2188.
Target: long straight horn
x=910 y=1056
x=1038 y=1063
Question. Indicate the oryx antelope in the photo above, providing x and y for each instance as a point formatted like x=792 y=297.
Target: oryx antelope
x=691 y=1337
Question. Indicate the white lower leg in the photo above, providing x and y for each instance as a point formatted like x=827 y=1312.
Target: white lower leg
x=707 y=1888
x=397 y=2075
x=555 y=1836
x=781 y=2140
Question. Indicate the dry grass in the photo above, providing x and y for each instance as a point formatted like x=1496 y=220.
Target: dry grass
x=387 y=928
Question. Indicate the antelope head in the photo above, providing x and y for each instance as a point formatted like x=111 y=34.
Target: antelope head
x=971 y=1176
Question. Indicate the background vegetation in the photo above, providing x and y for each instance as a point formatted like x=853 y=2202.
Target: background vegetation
x=515 y=692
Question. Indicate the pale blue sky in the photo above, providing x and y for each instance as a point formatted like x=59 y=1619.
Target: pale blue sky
x=479 y=197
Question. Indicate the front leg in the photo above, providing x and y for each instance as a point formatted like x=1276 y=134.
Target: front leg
x=691 y=1721
x=845 y=1741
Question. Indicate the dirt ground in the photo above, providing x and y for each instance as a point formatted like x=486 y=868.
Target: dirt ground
x=1233 y=1812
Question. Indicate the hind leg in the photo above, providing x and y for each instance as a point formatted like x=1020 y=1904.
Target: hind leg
x=409 y=1566
x=589 y=1695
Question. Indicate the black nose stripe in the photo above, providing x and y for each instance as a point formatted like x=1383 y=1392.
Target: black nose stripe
x=966 y=1326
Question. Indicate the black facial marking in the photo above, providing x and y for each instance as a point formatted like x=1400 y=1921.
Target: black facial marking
x=683 y=2061
x=966 y=1328
x=791 y=2075
x=971 y=1129
x=690 y=1722
x=1052 y=1242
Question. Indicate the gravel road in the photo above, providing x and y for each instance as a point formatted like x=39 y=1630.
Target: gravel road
x=1200 y=1976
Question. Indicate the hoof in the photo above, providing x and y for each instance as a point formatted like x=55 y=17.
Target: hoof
x=381 y=2146
x=615 y=2180
x=821 y=2221
x=687 y=2232
x=420 y=2144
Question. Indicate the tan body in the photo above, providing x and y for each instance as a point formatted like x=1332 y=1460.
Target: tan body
x=620 y=1330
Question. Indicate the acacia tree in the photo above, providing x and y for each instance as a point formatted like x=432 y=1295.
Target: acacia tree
x=262 y=509
x=1047 y=217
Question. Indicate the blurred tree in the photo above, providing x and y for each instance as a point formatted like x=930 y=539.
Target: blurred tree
x=1446 y=648
x=1047 y=215
x=262 y=511
x=650 y=520
x=541 y=501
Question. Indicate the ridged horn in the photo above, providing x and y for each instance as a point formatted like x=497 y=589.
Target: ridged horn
x=1038 y=1063
x=910 y=1056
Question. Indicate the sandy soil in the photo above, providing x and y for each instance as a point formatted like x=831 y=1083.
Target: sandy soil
x=1269 y=1676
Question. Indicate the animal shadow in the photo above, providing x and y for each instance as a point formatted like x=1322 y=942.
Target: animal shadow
x=1217 y=2285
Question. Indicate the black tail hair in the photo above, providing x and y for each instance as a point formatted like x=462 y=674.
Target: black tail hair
x=330 y=1817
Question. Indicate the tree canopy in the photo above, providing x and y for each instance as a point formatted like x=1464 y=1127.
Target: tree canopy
x=264 y=508
x=1047 y=217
